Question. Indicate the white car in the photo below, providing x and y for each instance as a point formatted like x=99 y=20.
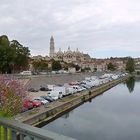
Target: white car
x=26 y=73
x=40 y=99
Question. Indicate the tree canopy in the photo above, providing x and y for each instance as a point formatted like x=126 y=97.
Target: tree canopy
x=40 y=65
x=130 y=65
x=14 y=56
x=111 y=67
x=56 y=65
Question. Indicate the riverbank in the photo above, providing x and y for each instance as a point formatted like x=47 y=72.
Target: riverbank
x=50 y=112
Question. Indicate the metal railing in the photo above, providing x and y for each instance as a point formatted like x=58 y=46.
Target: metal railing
x=13 y=130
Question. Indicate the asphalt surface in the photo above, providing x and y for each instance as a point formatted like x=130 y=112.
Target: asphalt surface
x=43 y=80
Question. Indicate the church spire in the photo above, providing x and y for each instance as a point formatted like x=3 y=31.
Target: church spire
x=52 y=48
x=52 y=39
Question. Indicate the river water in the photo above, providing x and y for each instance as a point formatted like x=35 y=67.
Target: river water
x=114 y=115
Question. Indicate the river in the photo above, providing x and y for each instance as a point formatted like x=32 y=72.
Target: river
x=114 y=115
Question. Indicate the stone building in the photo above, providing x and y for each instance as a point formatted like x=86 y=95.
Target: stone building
x=68 y=56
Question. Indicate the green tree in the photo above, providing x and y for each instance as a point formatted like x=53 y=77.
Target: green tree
x=111 y=67
x=56 y=65
x=40 y=65
x=20 y=55
x=130 y=65
x=95 y=69
x=4 y=41
x=13 y=56
x=77 y=67
x=6 y=55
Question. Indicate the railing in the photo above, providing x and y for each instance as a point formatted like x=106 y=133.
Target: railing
x=13 y=130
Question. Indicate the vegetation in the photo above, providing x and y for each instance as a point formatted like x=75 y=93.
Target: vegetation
x=14 y=56
x=11 y=94
x=130 y=65
x=95 y=69
x=56 y=65
x=76 y=66
x=40 y=65
x=86 y=69
x=138 y=72
x=111 y=67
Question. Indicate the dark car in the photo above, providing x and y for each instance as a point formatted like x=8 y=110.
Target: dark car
x=42 y=88
x=24 y=109
x=33 y=90
x=48 y=98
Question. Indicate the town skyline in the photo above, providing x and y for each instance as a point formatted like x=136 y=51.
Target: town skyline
x=103 y=29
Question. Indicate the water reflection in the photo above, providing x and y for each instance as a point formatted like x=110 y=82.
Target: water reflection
x=66 y=115
x=130 y=84
x=112 y=116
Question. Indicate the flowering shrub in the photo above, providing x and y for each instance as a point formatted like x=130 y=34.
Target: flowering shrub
x=12 y=93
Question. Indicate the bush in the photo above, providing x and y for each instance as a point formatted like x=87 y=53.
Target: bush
x=138 y=72
x=12 y=93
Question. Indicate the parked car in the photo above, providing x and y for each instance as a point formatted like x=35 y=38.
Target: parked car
x=27 y=104
x=69 y=91
x=36 y=103
x=43 y=88
x=42 y=100
x=48 y=98
x=26 y=73
x=33 y=90
x=55 y=94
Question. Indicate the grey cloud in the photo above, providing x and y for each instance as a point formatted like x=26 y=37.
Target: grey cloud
x=89 y=25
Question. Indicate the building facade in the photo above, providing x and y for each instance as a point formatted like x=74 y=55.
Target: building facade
x=68 y=56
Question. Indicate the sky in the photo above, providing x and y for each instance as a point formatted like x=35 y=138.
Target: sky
x=101 y=28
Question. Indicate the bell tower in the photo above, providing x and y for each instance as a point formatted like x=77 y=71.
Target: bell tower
x=52 y=48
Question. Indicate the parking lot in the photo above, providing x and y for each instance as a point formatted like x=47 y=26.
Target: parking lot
x=37 y=81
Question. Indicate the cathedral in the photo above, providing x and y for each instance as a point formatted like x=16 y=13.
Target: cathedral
x=68 y=56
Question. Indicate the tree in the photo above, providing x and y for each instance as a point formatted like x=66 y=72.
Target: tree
x=6 y=55
x=95 y=69
x=40 y=65
x=56 y=65
x=21 y=55
x=14 y=56
x=4 y=41
x=77 y=67
x=86 y=69
x=111 y=67
x=130 y=65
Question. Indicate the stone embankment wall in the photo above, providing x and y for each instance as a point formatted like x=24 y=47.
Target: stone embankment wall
x=47 y=113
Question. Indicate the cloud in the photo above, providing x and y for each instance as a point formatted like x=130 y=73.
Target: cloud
x=93 y=25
